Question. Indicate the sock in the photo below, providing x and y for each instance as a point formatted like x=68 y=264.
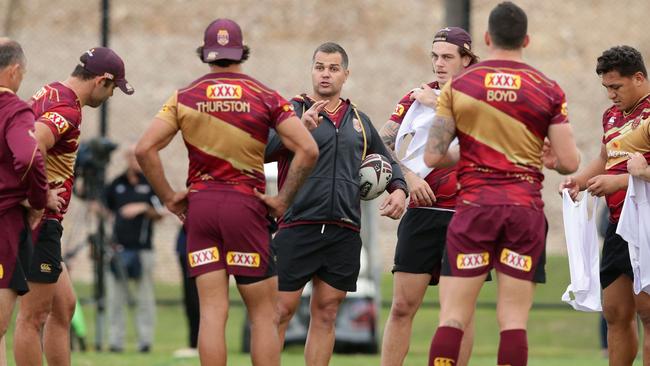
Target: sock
x=513 y=348
x=445 y=346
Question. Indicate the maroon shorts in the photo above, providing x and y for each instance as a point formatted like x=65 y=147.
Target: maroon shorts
x=228 y=230
x=15 y=249
x=510 y=239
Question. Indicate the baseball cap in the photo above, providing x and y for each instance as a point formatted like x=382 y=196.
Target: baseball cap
x=103 y=61
x=455 y=35
x=222 y=40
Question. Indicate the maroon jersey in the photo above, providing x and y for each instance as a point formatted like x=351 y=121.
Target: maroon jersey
x=58 y=107
x=503 y=110
x=225 y=120
x=442 y=181
x=625 y=133
x=22 y=171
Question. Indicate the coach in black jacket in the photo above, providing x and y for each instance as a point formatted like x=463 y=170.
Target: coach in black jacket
x=319 y=233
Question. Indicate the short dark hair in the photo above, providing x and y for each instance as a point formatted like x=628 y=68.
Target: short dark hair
x=508 y=26
x=11 y=53
x=80 y=72
x=331 y=47
x=225 y=62
x=624 y=59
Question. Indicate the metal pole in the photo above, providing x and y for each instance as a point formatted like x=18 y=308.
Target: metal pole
x=457 y=13
x=100 y=290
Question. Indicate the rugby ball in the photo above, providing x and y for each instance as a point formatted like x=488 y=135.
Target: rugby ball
x=374 y=175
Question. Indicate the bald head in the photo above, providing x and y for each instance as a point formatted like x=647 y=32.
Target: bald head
x=10 y=53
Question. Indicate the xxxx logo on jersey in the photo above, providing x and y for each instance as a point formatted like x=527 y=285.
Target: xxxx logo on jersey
x=223 y=91
x=57 y=120
x=443 y=361
x=399 y=110
x=243 y=259
x=205 y=256
x=472 y=260
x=516 y=260
x=502 y=81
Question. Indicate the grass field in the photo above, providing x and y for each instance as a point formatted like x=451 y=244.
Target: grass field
x=557 y=336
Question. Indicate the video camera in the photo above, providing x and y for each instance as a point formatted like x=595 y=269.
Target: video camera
x=92 y=159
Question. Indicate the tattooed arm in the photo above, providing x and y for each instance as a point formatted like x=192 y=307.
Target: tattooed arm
x=441 y=133
x=419 y=189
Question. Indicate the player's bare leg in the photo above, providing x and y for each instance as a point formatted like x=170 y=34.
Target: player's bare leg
x=213 y=304
x=35 y=307
x=56 y=331
x=288 y=302
x=324 y=305
x=642 y=301
x=7 y=301
x=620 y=314
x=261 y=303
x=408 y=292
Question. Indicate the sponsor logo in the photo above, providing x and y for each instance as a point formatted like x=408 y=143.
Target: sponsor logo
x=502 y=81
x=611 y=121
x=46 y=268
x=224 y=106
x=356 y=124
x=472 y=260
x=399 y=110
x=205 y=256
x=2 y=272
x=287 y=107
x=516 y=260
x=243 y=259
x=57 y=120
x=564 y=110
x=165 y=108
x=443 y=361
x=618 y=154
x=223 y=91
x=501 y=96
x=616 y=144
x=223 y=37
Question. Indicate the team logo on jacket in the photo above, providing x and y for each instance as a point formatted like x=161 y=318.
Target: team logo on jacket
x=443 y=361
x=516 y=260
x=500 y=80
x=243 y=259
x=223 y=37
x=472 y=260
x=58 y=121
x=223 y=91
x=357 y=125
x=205 y=256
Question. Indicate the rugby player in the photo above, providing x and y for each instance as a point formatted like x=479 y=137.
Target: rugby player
x=626 y=134
x=49 y=305
x=501 y=110
x=319 y=236
x=422 y=231
x=224 y=118
x=22 y=178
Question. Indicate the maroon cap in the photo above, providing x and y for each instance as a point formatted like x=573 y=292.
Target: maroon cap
x=103 y=61
x=455 y=35
x=222 y=40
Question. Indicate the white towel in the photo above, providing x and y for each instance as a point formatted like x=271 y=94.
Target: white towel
x=634 y=227
x=416 y=122
x=583 y=293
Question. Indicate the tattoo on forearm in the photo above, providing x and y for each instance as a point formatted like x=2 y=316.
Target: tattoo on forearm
x=388 y=135
x=295 y=178
x=441 y=133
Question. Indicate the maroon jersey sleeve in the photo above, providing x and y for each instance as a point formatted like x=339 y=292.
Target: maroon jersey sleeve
x=280 y=109
x=401 y=108
x=559 y=108
x=60 y=120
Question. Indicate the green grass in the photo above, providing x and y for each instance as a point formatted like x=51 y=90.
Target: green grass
x=556 y=336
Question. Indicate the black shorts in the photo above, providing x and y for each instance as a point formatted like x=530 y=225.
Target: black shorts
x=46 y=261
x=421 y=238
x=616 y=258
x=330 y=252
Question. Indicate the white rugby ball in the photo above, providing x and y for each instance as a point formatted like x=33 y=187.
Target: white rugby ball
x=374 y=175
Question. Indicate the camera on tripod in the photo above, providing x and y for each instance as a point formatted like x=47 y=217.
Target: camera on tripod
x=92 y=159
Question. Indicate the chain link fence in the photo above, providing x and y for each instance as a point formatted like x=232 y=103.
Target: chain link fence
x=388 y=43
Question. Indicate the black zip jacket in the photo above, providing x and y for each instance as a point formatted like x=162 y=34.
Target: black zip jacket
x=331 y=192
